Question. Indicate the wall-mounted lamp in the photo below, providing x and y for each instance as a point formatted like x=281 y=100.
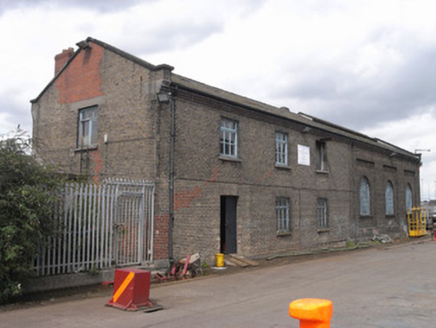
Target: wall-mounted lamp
x=163 y=97
x=306 y=129
x=83 y=45
x=421 y=150
x=393 y=154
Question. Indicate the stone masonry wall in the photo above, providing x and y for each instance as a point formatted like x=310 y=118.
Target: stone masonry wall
x=137 y=133
x=202 y=177
x=127 y=120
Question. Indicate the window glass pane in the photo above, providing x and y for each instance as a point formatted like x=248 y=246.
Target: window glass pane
x=364 y=195
x=320 y=156
x=87 y=127
x=282 y=214
x=322 y=212
x=409 y=201
x=93 y=132
x=228 y=140
x=85 y=136
x=389 y=196
x=281 y=148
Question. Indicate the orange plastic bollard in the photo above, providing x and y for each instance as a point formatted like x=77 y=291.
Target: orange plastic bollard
x=312 y=312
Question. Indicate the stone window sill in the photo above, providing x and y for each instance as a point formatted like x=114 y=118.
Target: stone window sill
x=230 y=159
x=83 y=149
x=284 y=233
x=324 y=230
x=322 y=172
x=282 y=167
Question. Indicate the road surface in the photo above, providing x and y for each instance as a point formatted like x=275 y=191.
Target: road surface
x=379 y=287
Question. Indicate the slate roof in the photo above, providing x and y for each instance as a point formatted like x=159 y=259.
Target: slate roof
x=250 y=104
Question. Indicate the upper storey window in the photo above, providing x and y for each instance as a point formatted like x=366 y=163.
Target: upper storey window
x=229 y=138
x=281 y=149
x=87 y=127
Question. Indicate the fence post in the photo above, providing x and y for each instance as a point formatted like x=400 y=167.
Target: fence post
x=312 y=312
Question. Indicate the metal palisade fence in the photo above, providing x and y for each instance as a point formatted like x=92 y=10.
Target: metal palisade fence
x=100 y=226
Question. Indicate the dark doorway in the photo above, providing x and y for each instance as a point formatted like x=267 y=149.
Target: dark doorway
x=228 y=224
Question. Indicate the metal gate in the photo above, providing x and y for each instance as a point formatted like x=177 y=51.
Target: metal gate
x=100 y=226
x=133 y=223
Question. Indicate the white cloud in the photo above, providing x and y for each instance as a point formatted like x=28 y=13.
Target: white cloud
x=416 y=132
x=367 y=65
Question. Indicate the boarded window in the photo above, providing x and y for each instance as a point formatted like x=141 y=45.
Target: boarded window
x=364 y=196
x=389 y=198
x=282 y=214
x=229 y=138
x=87 y=127
x=281 y=149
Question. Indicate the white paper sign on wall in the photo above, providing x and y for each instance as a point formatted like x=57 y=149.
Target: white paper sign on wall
x=303 y=155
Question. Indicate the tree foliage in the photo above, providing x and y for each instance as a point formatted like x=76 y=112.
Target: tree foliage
x=27 y=204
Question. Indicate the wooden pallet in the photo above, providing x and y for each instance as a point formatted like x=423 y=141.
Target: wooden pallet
x=241 y=261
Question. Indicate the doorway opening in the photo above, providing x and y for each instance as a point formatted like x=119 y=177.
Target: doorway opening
x=228 y=231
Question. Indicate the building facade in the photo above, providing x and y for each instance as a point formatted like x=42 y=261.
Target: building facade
x=232 y=174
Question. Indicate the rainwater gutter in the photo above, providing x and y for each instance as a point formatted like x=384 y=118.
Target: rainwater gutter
x=173 y=95
x=170 y=98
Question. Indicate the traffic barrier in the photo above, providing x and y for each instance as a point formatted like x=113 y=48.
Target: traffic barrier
x=312 y=312
x=417 y=219
x=131 y=289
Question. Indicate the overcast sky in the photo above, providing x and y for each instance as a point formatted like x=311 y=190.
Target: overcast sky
x=369 y=65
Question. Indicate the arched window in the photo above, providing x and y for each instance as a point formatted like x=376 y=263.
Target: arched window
x=364 y=196
x=409 y=200
x=389 y=199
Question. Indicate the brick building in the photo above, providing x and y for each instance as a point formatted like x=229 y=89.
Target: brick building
x=246 y=177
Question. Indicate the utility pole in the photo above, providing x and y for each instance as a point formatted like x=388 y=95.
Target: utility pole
x=419 y=151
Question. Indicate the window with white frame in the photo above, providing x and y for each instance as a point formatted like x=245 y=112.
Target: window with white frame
x=321 y=213
x=282 y=214
x=229 y=138
x=389 y=198
x=409 y=200
x=281 y=149
x=321 y=163
x=364 y=197
x=87 y=127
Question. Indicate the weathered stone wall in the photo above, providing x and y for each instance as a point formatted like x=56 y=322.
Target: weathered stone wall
x=125 y=94
x=380 y=167
x=202 y=177
x=137 y=130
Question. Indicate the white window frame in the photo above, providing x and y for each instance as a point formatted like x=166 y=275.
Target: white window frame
x=87 y=127
x=389 y=199
x=365 y=197
x=229 y=138
x=321 y=213
x=282 y=214
x=281 y=149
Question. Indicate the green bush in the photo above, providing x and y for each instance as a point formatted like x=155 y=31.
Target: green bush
x=27 y=203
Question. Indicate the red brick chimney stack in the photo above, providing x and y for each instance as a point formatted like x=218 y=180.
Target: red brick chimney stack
x=62 y=58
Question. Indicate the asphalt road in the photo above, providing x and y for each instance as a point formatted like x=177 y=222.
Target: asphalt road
x=378 y=287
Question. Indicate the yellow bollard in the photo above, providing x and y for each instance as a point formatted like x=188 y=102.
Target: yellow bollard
x=312 y=312
x=219 y=260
